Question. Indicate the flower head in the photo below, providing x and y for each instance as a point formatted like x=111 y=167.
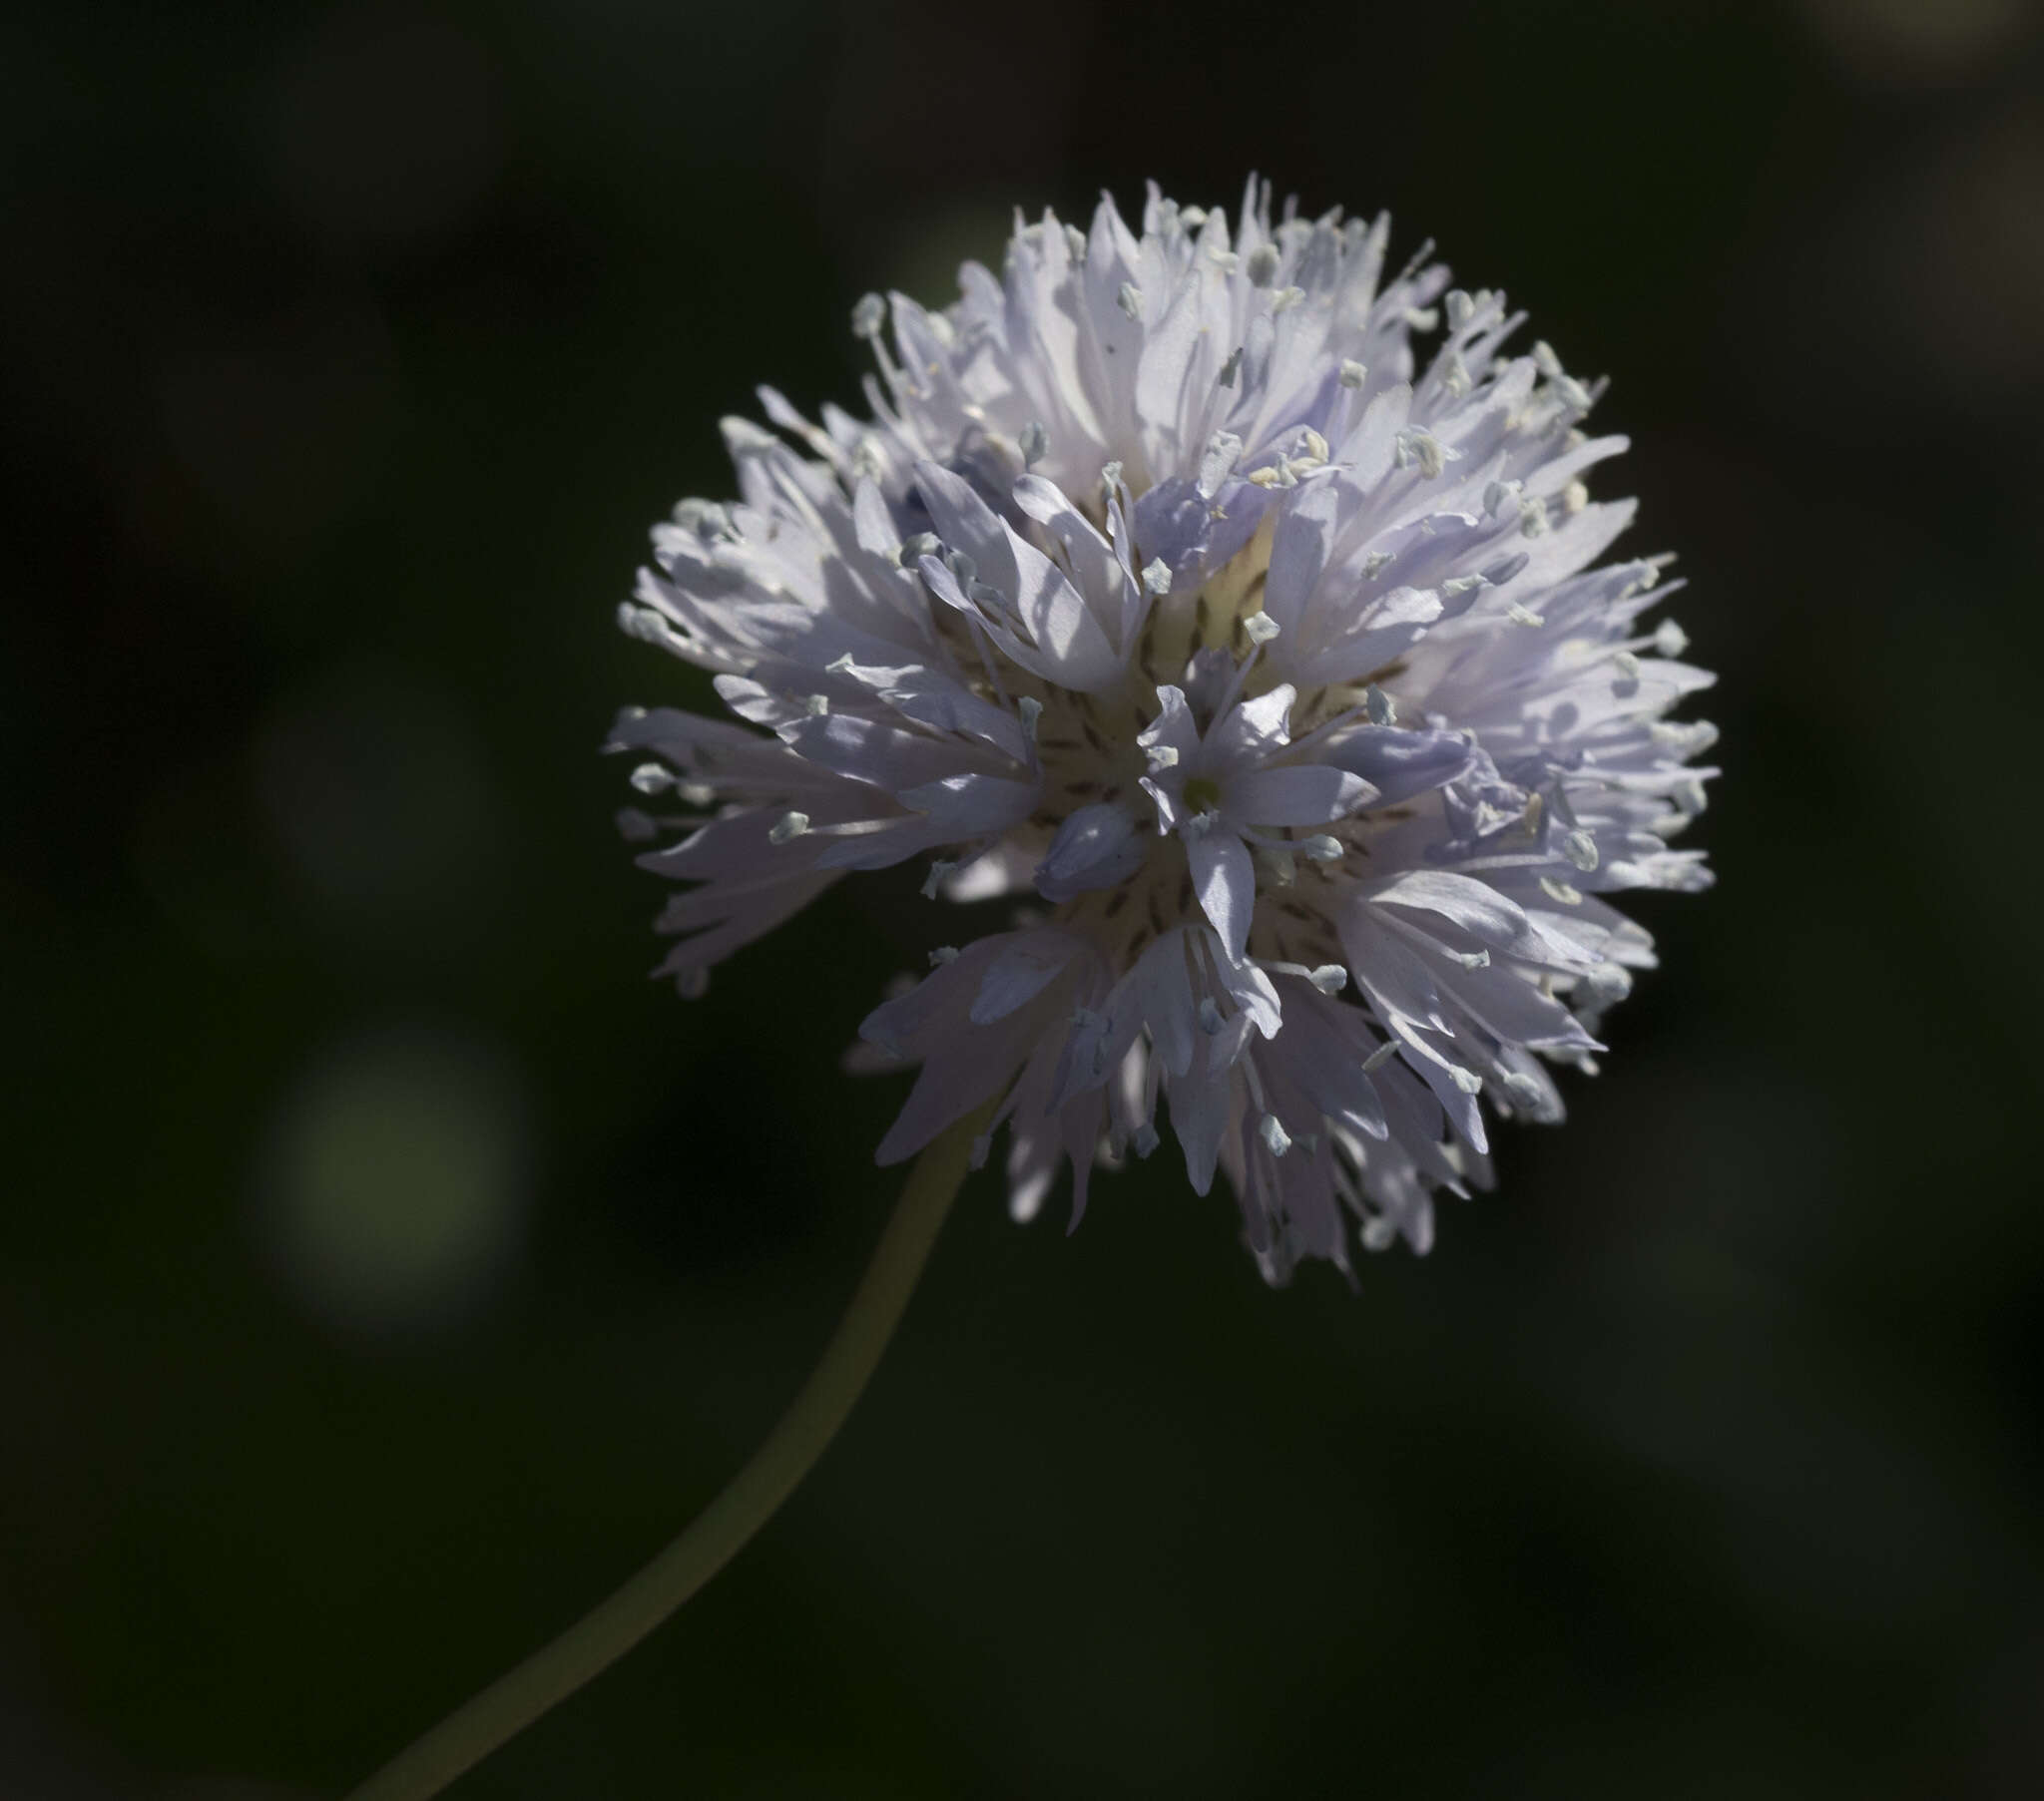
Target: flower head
x=1173 y=586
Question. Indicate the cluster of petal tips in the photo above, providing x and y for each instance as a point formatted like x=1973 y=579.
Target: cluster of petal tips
x=1174 y=588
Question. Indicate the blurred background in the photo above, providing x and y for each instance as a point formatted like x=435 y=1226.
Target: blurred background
x=386 y=1268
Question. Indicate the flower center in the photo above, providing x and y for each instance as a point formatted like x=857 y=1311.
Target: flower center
x=1203 y=794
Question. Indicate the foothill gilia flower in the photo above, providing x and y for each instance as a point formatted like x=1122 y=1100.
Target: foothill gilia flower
x=1235 y=603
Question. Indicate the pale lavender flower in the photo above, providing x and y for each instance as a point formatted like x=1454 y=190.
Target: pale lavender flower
x=1174 y=589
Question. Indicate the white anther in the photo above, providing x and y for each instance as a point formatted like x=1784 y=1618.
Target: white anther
x=1670 y=639
x=1524 y=616
x=789 y=826
x=1460 y=307
x=1524 y=1090
x=1285 y=298
x=868 y=316
x=1382 y=1055
x=1565 y=893
x=652 y=778
x=1684 y=740
x=838 y=665
x=1211 y=1021
x=1329 y=978
x=1532 y=518
x=1545 y=361
x=1627 y=665
x=1690 y=796
x=1456 y=586
x=1130 y=300
x=1422 y=319
x=913 y=550
x=1574 y=393
x=1156 y=577
x=932 y=882
x=1163 y=757
x=1231 y=369
x=1320 y=848
x=869 y=460
x=1498 y=496
x=1031 y=709
x=1192 y=218
x=1469 y=959
x=1419 y=445
x=1378 y=705
x=944 y=954
x=1110 y=479
x=694 y=793
x=1315 y=445
x=1374 y=562
x=1277 y=1140
x=1580 y=849
x=1075 y=243
x=1227 y=261
x=1262 y=267
x=816 y=705
x=1033 y=441
x=1455 y=375
x=1259 y=627
x=1354 y=373
x=1466 y=1079
x=1269 y=478
x=1576 y=496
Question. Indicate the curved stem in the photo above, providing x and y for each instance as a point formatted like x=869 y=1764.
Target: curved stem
x=605 y=1633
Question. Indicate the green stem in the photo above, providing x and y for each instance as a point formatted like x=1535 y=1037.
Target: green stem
x=604 y=1635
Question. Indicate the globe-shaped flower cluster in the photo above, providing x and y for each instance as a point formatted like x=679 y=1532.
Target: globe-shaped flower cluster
x=1174 y=590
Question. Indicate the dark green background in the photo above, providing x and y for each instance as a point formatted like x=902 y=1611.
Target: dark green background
x=387 y=1268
